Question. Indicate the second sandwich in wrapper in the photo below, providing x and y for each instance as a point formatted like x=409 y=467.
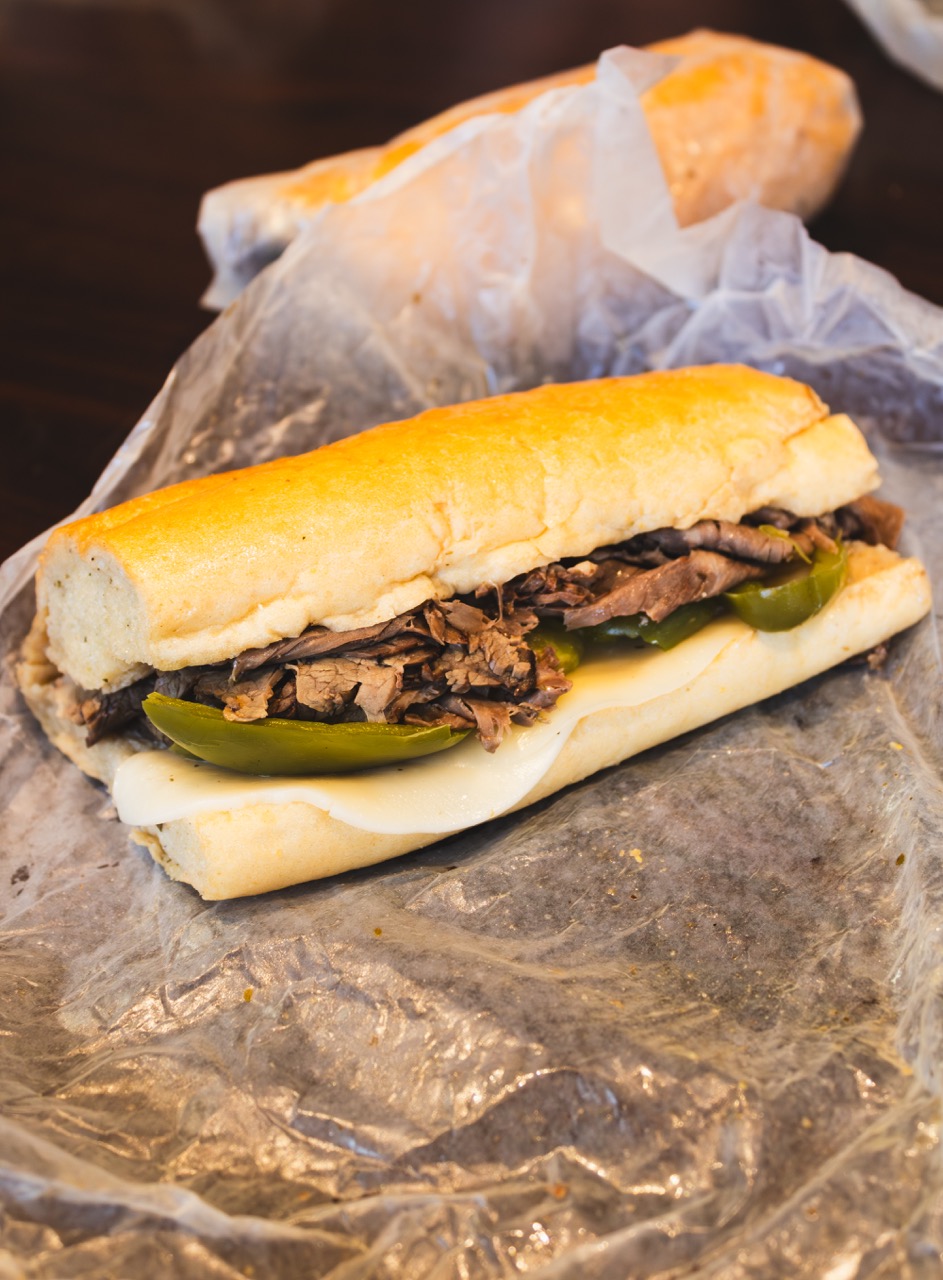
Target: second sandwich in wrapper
x=734 y=119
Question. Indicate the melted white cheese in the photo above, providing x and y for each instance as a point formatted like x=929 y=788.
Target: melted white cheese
x=441 y=793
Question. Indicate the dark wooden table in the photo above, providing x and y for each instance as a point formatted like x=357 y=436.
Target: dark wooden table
x=117 y=114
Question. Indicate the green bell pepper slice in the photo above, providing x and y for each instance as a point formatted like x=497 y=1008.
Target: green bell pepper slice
x=568 y=645
x=684 y=622
x=291 y=747
x=792 y=595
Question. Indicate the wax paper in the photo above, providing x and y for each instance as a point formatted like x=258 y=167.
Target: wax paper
x=911 y=31
x=684 y=1016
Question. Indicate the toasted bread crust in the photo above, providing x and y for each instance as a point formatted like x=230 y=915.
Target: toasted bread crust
x=741 y=120
x=368 y=527
x=734 y=119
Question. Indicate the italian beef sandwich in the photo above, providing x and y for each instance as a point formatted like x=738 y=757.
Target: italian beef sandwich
x=311 y=665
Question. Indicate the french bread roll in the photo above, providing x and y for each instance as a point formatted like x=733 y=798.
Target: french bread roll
x=372 y=525
x=735 y=119
x=366 y=529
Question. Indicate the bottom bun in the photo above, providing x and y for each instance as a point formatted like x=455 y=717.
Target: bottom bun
x=265 y=838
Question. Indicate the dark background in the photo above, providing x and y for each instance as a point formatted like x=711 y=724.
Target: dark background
x=115 y=116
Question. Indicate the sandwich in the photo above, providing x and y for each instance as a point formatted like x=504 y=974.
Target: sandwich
x=327 y=660
x=735 y=119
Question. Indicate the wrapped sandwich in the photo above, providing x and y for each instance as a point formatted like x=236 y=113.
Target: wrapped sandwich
x=327 y=660
x=734 y=119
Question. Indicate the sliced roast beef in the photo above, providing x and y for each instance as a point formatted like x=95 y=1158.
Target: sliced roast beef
x=778 y=517
x=658 y=592
x=872 y=520
x=284 y=705
x=808 y=535
x=508 y=658
x=491 y=720
x=461 y=671
x=318 y=641
x=465 y=618
x=178 y=684
x=248 y=700
x=465 y=661
x=332 y=686
x=106 y=713
x=740 y=540
x=552 y=588
x=549 y=679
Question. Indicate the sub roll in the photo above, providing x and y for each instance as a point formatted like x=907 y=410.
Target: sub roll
x=311 y=665
x=734 y=119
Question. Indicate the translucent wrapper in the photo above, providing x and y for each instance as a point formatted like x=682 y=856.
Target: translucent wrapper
x=684 y=1015
x=911 y=31
x=735 y=119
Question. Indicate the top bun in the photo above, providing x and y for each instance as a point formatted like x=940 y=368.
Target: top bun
x=366 y=528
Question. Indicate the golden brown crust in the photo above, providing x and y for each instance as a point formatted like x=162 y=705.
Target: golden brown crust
x=735 y=119
x=340 y=178
x=742 y=120
x=373 y=525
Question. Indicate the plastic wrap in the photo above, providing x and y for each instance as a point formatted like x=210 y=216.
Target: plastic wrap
x=734 y=119
x=911 y=31
x=685 y=1015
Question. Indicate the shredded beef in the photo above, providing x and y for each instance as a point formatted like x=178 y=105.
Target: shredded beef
x=327 y=685
x=284 y=705
x=249 y=699
x=550 y=589
x=491 y=720
x=464 y=618
x=318 y=641
x=465 y=662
